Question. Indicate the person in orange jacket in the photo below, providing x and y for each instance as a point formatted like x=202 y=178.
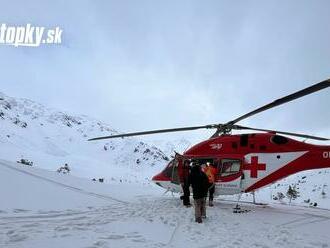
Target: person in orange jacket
x=211 y=173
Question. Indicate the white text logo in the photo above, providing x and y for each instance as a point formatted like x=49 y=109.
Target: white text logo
x=216 y=146
x=29 y=35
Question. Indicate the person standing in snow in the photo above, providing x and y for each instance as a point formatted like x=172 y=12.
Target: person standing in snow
x=199 y=182
x=184 y=176
x=211 y=172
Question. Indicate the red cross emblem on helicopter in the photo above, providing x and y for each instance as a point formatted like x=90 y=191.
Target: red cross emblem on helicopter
x=254 y=167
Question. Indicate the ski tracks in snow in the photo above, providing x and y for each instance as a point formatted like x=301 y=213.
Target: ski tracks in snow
x=119 y=224
x=162 y=221
x=101 y=227
x=78 y=190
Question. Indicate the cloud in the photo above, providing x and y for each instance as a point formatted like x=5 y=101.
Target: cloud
x=152 y=64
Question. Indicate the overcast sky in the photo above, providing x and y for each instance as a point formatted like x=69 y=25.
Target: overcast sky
x=142 y=65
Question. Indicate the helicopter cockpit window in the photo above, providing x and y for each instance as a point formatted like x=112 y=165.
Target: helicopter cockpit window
x=279 y=140
x=169 y=169
x=230 y=166
x=202 y=161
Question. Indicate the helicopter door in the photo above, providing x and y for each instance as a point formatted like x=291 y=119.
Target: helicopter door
x=175 y=171
x=230 y=176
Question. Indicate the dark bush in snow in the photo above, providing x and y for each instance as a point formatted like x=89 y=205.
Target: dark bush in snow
x=280 y=196
x=70 y=120
x=146 y=151
x=323 y=191
x=64 y=169
x=101 y=180
x=292 y=193
x=7 y=106
x=25 y=161
x=20 y=123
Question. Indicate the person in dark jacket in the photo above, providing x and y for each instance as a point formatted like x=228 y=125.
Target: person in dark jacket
x=184 y=179
x=199 y=183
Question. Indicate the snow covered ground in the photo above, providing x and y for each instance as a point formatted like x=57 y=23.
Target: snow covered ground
x=42 y=208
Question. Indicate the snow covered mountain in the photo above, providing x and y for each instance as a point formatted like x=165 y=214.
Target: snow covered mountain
x=173 y=146
x=50 y=138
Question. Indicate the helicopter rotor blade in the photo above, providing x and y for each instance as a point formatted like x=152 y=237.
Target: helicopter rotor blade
x=158 y=131
x=239 y=127
x=225 y=128
x=309 y=90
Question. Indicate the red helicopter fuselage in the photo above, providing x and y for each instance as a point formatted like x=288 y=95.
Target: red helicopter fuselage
x=247 y=162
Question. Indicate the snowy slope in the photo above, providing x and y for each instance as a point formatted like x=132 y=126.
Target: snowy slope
x=173 y=146
x=56 y=210
x=51 y=138
x=313 y=188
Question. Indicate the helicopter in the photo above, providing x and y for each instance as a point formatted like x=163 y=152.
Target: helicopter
x=245 y=162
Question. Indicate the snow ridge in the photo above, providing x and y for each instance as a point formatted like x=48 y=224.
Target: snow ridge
x=50 y=138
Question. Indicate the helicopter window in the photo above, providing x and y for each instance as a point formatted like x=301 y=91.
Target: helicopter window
x=202 y=161
x=244 y=140
x=279 y=140
x=169 y=169
x=230 y=166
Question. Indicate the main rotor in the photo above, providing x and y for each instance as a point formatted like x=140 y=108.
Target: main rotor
x=231 y=125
